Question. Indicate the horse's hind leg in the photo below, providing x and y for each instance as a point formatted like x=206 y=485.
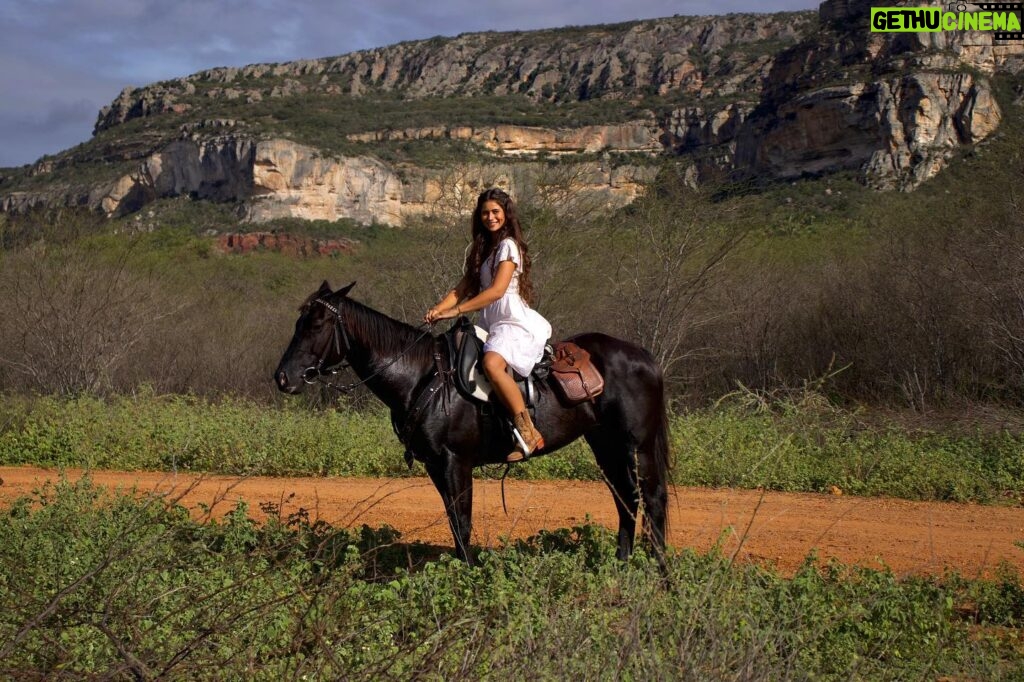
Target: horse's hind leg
x=617 y=460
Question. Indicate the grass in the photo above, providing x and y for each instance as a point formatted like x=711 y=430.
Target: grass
x=725 y=447
x=113 y=585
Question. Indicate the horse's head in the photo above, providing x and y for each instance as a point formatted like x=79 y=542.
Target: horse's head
x=317 y=342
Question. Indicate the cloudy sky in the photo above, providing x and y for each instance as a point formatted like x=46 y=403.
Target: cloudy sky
x=62 y=60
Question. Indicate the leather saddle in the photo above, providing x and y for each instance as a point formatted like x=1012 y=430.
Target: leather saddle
x=466 y=349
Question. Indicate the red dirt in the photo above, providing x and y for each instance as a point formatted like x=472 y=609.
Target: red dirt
x=773 y=528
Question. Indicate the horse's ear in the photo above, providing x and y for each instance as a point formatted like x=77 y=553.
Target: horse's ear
x=325 y=288
x=344 y=290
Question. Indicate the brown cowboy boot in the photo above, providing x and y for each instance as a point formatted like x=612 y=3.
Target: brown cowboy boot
x=534 y=441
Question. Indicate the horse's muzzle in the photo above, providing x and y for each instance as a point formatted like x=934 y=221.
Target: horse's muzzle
x=281 y=379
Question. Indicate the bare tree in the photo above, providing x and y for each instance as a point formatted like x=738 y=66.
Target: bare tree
x=560 y=210
x=994 y=276
x=676 y=240
x=71 y=315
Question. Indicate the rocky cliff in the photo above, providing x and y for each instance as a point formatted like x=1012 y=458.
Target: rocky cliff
x=766 y=96
x=893 y=106
x=704 y=56
x=281 y=179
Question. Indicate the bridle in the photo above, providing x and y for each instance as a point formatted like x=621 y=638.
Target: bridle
x=339 y=335
x=312 y=374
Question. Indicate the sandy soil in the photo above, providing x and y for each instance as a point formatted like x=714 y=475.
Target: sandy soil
x=776 y=528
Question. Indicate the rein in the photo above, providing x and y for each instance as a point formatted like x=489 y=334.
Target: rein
x=315 y=373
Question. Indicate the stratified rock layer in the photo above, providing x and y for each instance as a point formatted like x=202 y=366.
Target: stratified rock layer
x=833 y=97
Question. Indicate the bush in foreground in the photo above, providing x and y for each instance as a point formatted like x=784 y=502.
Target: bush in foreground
x=132 y=586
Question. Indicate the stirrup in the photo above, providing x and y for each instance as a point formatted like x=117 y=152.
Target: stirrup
x=520 y=454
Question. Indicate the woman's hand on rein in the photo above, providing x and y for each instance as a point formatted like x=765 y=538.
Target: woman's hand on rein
x=434 y=315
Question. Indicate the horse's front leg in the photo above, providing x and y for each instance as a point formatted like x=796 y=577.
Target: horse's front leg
x=453 y=478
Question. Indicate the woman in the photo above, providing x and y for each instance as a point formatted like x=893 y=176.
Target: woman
x=497 y=281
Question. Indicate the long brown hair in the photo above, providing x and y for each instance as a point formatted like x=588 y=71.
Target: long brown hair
x=485 y=243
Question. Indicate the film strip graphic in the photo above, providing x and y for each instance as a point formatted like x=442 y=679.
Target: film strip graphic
x=1003 y=7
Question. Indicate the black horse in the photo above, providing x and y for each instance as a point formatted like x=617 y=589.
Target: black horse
x=626 y=426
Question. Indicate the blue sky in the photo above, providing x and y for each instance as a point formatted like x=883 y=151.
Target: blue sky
x=62 y=60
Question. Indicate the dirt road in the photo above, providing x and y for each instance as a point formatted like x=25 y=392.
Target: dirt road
x=778 y=528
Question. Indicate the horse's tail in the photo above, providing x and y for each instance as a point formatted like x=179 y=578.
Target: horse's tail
x=660 y=450
x=659 y=437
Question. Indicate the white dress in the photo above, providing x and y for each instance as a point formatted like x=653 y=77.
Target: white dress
x=516 y=331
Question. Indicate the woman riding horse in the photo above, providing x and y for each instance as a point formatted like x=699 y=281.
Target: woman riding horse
x=626 y=426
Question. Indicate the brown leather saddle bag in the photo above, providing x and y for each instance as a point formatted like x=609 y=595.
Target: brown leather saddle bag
x=575 y=374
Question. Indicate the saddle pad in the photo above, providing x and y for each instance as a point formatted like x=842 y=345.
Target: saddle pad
x=476 y=382
x=574 y=373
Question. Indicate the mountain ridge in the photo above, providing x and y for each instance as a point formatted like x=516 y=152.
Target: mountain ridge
x=379 y=135
x=614 y=60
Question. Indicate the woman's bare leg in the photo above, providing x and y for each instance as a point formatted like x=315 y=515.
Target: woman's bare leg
x=503 y=383
x=508 y=393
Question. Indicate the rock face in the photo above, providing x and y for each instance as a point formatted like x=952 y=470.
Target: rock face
x=899 y=132
x=278 y=178
x=768 y=96
x=290 y=180
x=250 y=242
x=217 y=169
x=634 y=136
x=902 y=105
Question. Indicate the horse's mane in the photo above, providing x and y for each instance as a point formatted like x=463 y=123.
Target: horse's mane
x=386 y=334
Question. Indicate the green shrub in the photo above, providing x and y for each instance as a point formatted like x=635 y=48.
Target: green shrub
x=723 y=447
x=117 y=585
